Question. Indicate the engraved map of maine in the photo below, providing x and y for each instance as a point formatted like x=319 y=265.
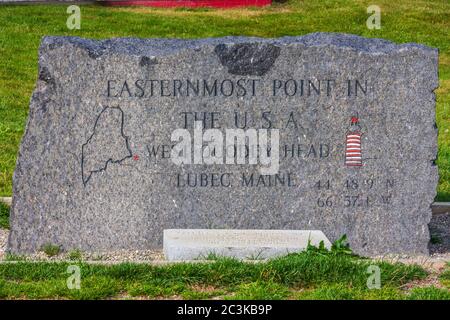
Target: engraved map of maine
x=107 y=145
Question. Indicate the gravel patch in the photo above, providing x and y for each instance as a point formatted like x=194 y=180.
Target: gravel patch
x=436 y=261
x=107 y=257
x=431 y=280
x=440 y=234
x=113 y=256
x=3 y=242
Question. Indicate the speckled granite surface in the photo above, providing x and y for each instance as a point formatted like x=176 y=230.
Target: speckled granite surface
x=93 y=172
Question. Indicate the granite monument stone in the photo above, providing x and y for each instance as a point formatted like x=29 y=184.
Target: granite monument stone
x=118 y=133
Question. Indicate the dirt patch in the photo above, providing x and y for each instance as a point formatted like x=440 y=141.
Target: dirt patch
x=431 y=280
x=203 y=288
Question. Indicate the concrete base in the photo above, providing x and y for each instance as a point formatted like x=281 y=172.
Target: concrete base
x=193 y=244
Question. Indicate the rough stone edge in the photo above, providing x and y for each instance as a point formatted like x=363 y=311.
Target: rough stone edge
x=162 y=46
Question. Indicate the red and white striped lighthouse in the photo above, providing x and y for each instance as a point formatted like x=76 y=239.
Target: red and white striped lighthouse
x=353 y=152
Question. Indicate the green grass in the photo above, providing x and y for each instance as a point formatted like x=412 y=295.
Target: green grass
x=260 y=290
x=429 y=293
x=21 y=28
x=51 y=250
x=4 y=216
x=313 y=274
x=445 y=277
x=75 y=255
x=346 y=292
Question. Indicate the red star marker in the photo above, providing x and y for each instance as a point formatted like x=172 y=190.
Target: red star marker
x=135 y=157
x=355 y=120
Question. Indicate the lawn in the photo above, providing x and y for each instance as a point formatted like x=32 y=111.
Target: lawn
x=21 y=28
x=312 y=274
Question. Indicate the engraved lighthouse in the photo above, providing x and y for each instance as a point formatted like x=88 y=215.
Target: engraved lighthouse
x=353 y=151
